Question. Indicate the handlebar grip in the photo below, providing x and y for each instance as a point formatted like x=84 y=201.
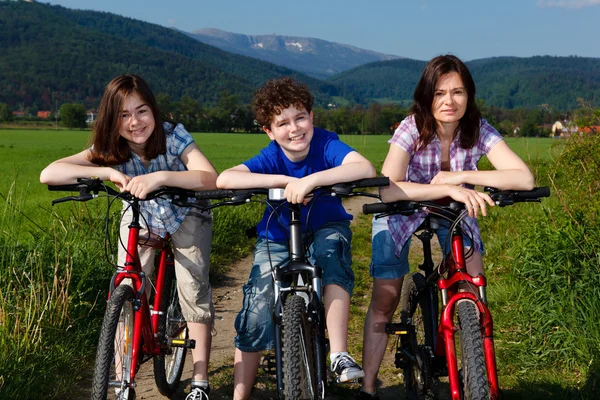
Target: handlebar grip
x=397 y=207
x=213 y=194
x=533 y=194
x=371 y=182
x=75 y=187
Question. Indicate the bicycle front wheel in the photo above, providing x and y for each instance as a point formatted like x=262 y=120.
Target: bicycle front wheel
x=168 y=366
x=115 y=347
x=299 y=368
x=474 y=377
x=418 y=310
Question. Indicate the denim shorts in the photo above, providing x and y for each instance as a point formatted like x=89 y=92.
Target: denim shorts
x=385 y=264
x=330 y=249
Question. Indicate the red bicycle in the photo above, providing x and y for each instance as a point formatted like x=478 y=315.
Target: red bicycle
x=425 y=346
x=136 y=328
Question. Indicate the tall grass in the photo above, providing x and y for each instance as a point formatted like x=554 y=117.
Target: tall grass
x=548 y=259
x=53 y=283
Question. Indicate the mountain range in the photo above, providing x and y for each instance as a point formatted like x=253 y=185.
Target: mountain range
x=314 y=57
x=52 y=54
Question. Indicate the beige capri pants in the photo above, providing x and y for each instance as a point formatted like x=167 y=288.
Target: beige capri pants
x=191 y=248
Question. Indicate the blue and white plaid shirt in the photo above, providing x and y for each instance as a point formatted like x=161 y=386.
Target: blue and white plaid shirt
x=161 y=215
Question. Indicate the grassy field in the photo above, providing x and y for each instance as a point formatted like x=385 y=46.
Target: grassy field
x=49 y=257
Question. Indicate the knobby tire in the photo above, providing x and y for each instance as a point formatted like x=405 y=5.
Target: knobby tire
x=116 y=340
x=168 y=366
x=474 y=377
x=299 y=380
x=418 y=310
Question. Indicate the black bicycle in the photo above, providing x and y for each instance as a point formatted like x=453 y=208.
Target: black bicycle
x=425 y=346
x=299 y=314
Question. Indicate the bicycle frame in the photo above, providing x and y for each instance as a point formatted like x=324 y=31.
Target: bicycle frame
x=145 y=321
x=297 y=267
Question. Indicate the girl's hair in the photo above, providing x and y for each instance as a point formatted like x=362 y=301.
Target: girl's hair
x=277 y=95
x=109 y=148
x=423 y=101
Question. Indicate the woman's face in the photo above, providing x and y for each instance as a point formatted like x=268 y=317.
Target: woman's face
x=449 y=99
x=136 y=122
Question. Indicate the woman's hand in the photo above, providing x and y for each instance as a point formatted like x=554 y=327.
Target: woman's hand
x=473 y=200
x=448 y=178
x=141 y=185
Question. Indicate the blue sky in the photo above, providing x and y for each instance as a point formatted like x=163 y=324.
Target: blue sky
x=419 y=29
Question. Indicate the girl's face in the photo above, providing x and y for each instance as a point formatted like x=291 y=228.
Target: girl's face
x=449 y=99
x=136 y=122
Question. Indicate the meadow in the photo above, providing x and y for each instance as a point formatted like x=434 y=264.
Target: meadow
x=53 y=273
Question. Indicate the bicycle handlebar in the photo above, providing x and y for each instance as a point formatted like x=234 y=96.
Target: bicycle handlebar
x=502 y=198
x=87 y=186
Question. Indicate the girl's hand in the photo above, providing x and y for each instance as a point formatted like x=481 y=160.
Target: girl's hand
x=141 y=185
x=448 y=178
x=118 y=178
x=297 y=189
x=473 y=200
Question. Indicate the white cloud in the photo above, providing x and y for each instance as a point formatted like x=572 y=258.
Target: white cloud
x=568 y=3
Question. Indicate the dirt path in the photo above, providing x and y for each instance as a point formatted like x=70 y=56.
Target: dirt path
x=227 y=295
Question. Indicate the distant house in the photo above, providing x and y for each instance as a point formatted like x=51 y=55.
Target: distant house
x=563 y=129
x=18 y=114
x=44 y=114
x=590 y=129
x=91 y=116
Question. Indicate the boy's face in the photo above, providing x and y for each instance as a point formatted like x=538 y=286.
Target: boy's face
x=293 y=131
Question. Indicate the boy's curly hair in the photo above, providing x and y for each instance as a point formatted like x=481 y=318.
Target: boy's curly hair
x=277 y=95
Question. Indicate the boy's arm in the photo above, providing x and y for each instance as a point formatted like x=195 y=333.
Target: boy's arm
x=240 y=177
x=353 y=167
x=66 y=171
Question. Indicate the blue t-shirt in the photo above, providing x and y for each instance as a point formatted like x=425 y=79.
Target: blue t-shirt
x=326 y=151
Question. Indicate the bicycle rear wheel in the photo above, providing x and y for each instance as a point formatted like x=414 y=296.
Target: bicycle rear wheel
x=299 y=381
x=113 y=356
x=419 y=311
x=168 y=366
x=474 y=377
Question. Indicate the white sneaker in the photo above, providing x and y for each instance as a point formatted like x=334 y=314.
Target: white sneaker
x=346 y=369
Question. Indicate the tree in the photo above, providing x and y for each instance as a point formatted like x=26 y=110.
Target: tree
x=73 y=115
x=5 y=113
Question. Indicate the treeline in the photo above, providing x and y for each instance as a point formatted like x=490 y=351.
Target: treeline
x=230 y=114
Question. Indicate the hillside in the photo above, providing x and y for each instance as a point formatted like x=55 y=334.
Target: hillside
x=507 y=82
x=314 y=57
x=51 y=54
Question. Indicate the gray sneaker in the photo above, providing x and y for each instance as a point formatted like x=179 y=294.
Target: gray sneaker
x=346 y=369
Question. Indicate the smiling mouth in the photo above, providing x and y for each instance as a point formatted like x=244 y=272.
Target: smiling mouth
x=296 y=138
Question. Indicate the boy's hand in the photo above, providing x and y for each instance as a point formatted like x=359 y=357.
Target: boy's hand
x=297 y=189
x=141 y=185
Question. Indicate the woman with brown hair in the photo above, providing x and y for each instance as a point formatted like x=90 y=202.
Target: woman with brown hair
x=433 y=155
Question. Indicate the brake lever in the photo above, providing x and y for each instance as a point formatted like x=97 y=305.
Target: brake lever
x=81 y=197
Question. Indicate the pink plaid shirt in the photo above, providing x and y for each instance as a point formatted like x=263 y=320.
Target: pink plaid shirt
x=426 y=164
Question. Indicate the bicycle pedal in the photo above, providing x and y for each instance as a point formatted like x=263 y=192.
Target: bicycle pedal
x=396 y=328
x=185 y=343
